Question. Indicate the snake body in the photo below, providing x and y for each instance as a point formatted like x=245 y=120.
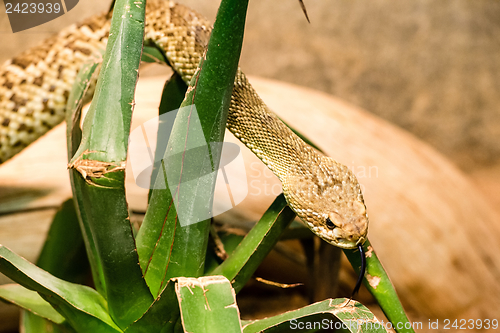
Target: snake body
x=35 y=85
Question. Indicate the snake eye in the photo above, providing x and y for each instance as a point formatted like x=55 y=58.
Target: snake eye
x=329 y=223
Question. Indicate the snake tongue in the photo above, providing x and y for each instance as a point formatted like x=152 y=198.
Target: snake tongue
x=361 y=271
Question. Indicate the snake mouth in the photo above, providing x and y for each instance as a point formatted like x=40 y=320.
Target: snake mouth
x=347 y=244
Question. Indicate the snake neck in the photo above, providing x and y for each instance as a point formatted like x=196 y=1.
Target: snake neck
x=263 y=132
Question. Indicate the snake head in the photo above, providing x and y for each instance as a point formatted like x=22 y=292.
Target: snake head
x=328 y=199
x=346 y=226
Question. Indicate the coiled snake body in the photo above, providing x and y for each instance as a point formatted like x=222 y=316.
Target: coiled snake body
x=35 y=85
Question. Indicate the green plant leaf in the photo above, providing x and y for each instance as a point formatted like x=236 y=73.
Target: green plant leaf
x=63 y=254
x=77 y=97
x=172 y=96
x=106 y=211
x=31 y=301
x=107 y=124
x=162 y=316
x=207 y=304
x=242 y=263
x=152 y=54
x=83 y=307
x=328 y=314
x=31 y=323
x=380 y=286
x=230 y=242
x=98 y=166
x=183 y=209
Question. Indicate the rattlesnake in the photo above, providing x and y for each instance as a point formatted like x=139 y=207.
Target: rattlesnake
x=35 y=85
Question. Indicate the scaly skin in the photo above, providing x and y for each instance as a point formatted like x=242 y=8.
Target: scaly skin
x=35 y=85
